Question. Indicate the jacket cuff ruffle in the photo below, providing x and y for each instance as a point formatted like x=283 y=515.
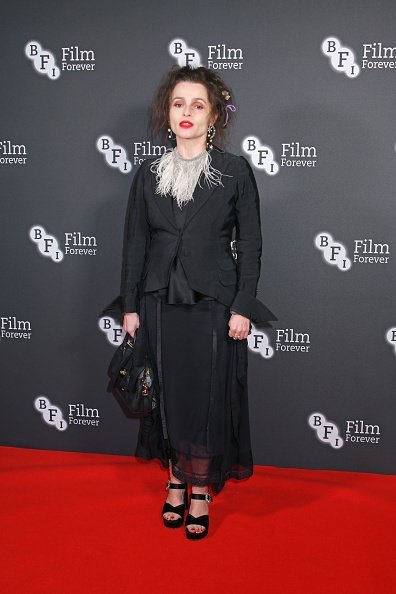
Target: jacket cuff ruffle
x=252 y=308
x=121 y=305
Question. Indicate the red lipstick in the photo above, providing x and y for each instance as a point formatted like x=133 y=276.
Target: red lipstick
x=185 y=124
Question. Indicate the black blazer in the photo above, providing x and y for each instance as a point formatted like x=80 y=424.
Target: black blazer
x=152 y=239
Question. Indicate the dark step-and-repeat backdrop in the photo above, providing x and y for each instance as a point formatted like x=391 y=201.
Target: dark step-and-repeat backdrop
x=314 y=85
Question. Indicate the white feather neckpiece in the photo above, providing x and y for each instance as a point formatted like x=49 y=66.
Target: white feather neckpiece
x=178 y=176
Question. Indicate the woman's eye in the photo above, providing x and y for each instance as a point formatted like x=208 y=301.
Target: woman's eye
x=197 y=106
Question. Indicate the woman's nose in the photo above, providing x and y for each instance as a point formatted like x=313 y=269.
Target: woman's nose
x=186 y=111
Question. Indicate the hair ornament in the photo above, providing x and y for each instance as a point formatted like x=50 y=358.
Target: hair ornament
x=230 y=107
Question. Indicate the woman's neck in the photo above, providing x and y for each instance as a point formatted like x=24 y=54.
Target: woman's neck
x=190 y=148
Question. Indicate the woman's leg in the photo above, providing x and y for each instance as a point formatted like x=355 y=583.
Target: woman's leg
x=198 y=467
x=198 y=507
x=175 y=496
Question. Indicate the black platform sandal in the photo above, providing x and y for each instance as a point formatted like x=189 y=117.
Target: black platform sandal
x=175 y=509
x=200 y=520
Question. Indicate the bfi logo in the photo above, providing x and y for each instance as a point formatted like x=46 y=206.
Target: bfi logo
x=356 y=431
x=366 y=251
x=184 y=55
x=259 y=343
x=287 y=340
x=375 y=56
x=51 y=414
x=43 y=60
x=79 y=414
x=293 y=154
x=334 y=252
x=73 y=59
x=115 y=155
x=342 y=59
x=76 y=244
x=47 y=244
x=326 y=431
x=261 y=155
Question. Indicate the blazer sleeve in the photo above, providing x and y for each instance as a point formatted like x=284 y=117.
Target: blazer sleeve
x=248 y=247
x=135 y=245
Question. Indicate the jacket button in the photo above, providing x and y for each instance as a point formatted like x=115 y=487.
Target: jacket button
x=186 y=252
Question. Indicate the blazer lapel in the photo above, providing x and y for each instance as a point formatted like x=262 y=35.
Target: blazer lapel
x=164 y=204
x=201 y=196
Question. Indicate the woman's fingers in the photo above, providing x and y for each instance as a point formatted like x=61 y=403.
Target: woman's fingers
x=239 y=327
x=131 y=323
x=131 y=330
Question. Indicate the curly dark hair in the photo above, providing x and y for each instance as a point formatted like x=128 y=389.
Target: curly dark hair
x=218 y=92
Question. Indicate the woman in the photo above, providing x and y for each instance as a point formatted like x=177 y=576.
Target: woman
x=197 y=300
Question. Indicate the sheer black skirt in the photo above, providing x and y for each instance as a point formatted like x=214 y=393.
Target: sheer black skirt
x=204 y=391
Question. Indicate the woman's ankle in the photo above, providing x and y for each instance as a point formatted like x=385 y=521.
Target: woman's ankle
x=172 y=477
x=200 y=490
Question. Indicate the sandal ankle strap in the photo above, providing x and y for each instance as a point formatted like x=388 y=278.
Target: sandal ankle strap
x=206 y=496
x=170 y=485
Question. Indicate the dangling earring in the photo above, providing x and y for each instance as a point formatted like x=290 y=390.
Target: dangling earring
x=169 y=132
x=211 y=135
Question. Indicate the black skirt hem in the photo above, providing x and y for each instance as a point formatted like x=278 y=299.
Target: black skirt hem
x=216 y=484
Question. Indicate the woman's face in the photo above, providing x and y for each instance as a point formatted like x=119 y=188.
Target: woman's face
x=190 y=111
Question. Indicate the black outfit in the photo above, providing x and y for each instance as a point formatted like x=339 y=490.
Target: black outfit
x=203 y=371
x=201 y=388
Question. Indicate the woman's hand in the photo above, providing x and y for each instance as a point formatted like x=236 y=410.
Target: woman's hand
x=131 y=323
x=239 y=327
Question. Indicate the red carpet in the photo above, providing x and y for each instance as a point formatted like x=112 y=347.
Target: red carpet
x=91 y=523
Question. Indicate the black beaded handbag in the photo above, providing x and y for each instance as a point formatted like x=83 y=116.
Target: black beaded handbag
x=132 y=375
